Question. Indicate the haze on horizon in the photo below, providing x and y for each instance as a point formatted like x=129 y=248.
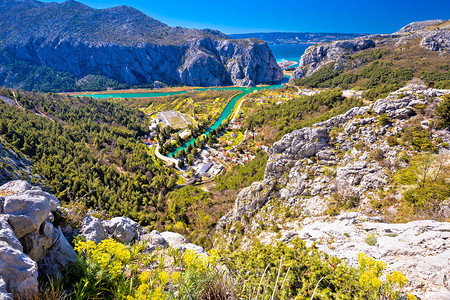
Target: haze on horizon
x=237 y=16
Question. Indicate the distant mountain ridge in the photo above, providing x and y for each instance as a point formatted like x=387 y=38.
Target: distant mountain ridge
x=74 y=21
x=74 y=43
x=280 y=38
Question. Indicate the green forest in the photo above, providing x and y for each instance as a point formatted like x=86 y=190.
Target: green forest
x=88 y=150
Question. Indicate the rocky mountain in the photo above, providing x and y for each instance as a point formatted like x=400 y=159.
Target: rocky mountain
x=359 y=161
x=343 y=55
x=283 y=38
x=124 y=45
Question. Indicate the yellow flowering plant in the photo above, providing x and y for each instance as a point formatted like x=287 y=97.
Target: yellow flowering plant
x=370 y=272
x=110 y=255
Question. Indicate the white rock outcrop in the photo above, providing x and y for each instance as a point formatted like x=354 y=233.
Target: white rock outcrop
x=27 y=207
x=347 y=158
x=419 y=249
x=4 y=295
x=27 y=237
x=292 y=176
x=123 y=229
x=18 y=271
x=178 y=241
x=154 y=240
x=414 y=26
x=92 y=229
x=336 y=54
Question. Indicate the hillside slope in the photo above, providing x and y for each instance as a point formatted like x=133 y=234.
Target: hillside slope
x=384 y=162
x=123 y=45
x=380 y=63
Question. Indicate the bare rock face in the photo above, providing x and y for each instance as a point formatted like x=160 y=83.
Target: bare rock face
x=414 y=26
x=178 y=241
x=36 y=243
x=7 y=234
x=436 y=41
x=123 y=229
x=26 y=207
x=321 y=55
x=27 y=236
x=92 y=229
x=18 y=270
x=125 y=45
x=4 y=295
x=58 y=256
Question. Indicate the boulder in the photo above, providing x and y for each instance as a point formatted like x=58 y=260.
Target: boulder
x=7 y=234
x=174 y=238
x=436 y=41
x=326 y=54
x=442 y=295
x=28 y=210
x=178 y=241
x=18 y=271
x=123 y=229
x=154 y=240
x=58 y=257
x=15 y=187
x=92 y=229
x=36 y=243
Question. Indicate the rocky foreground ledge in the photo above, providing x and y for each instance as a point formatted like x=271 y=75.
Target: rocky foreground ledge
x=419 y=249
x=31 y=245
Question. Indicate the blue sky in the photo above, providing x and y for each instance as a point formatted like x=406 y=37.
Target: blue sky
x=241 y=16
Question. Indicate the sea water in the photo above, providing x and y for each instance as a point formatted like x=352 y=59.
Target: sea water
x=291 y=52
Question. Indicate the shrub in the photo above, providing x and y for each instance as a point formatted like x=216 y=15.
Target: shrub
x=383 y=119
x=370 y=240
x=392 y=141
x=370 y=271
x=443 y=112
x=377 y=154
x=418 y=138
x=376 y=204
x=360 y=145
x=426 y=175
x=294 y=271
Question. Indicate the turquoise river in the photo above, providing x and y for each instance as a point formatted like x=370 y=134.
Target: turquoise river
x=223 y=116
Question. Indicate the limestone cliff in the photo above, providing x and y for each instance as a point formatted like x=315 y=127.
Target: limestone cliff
x=432 y=35
x=123 y=44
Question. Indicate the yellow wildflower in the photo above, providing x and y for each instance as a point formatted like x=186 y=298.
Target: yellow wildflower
x=175 y=276
x=164 y=277
x=397 y=278
x=190 y=258
x=143 y=277
x=410 y=296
